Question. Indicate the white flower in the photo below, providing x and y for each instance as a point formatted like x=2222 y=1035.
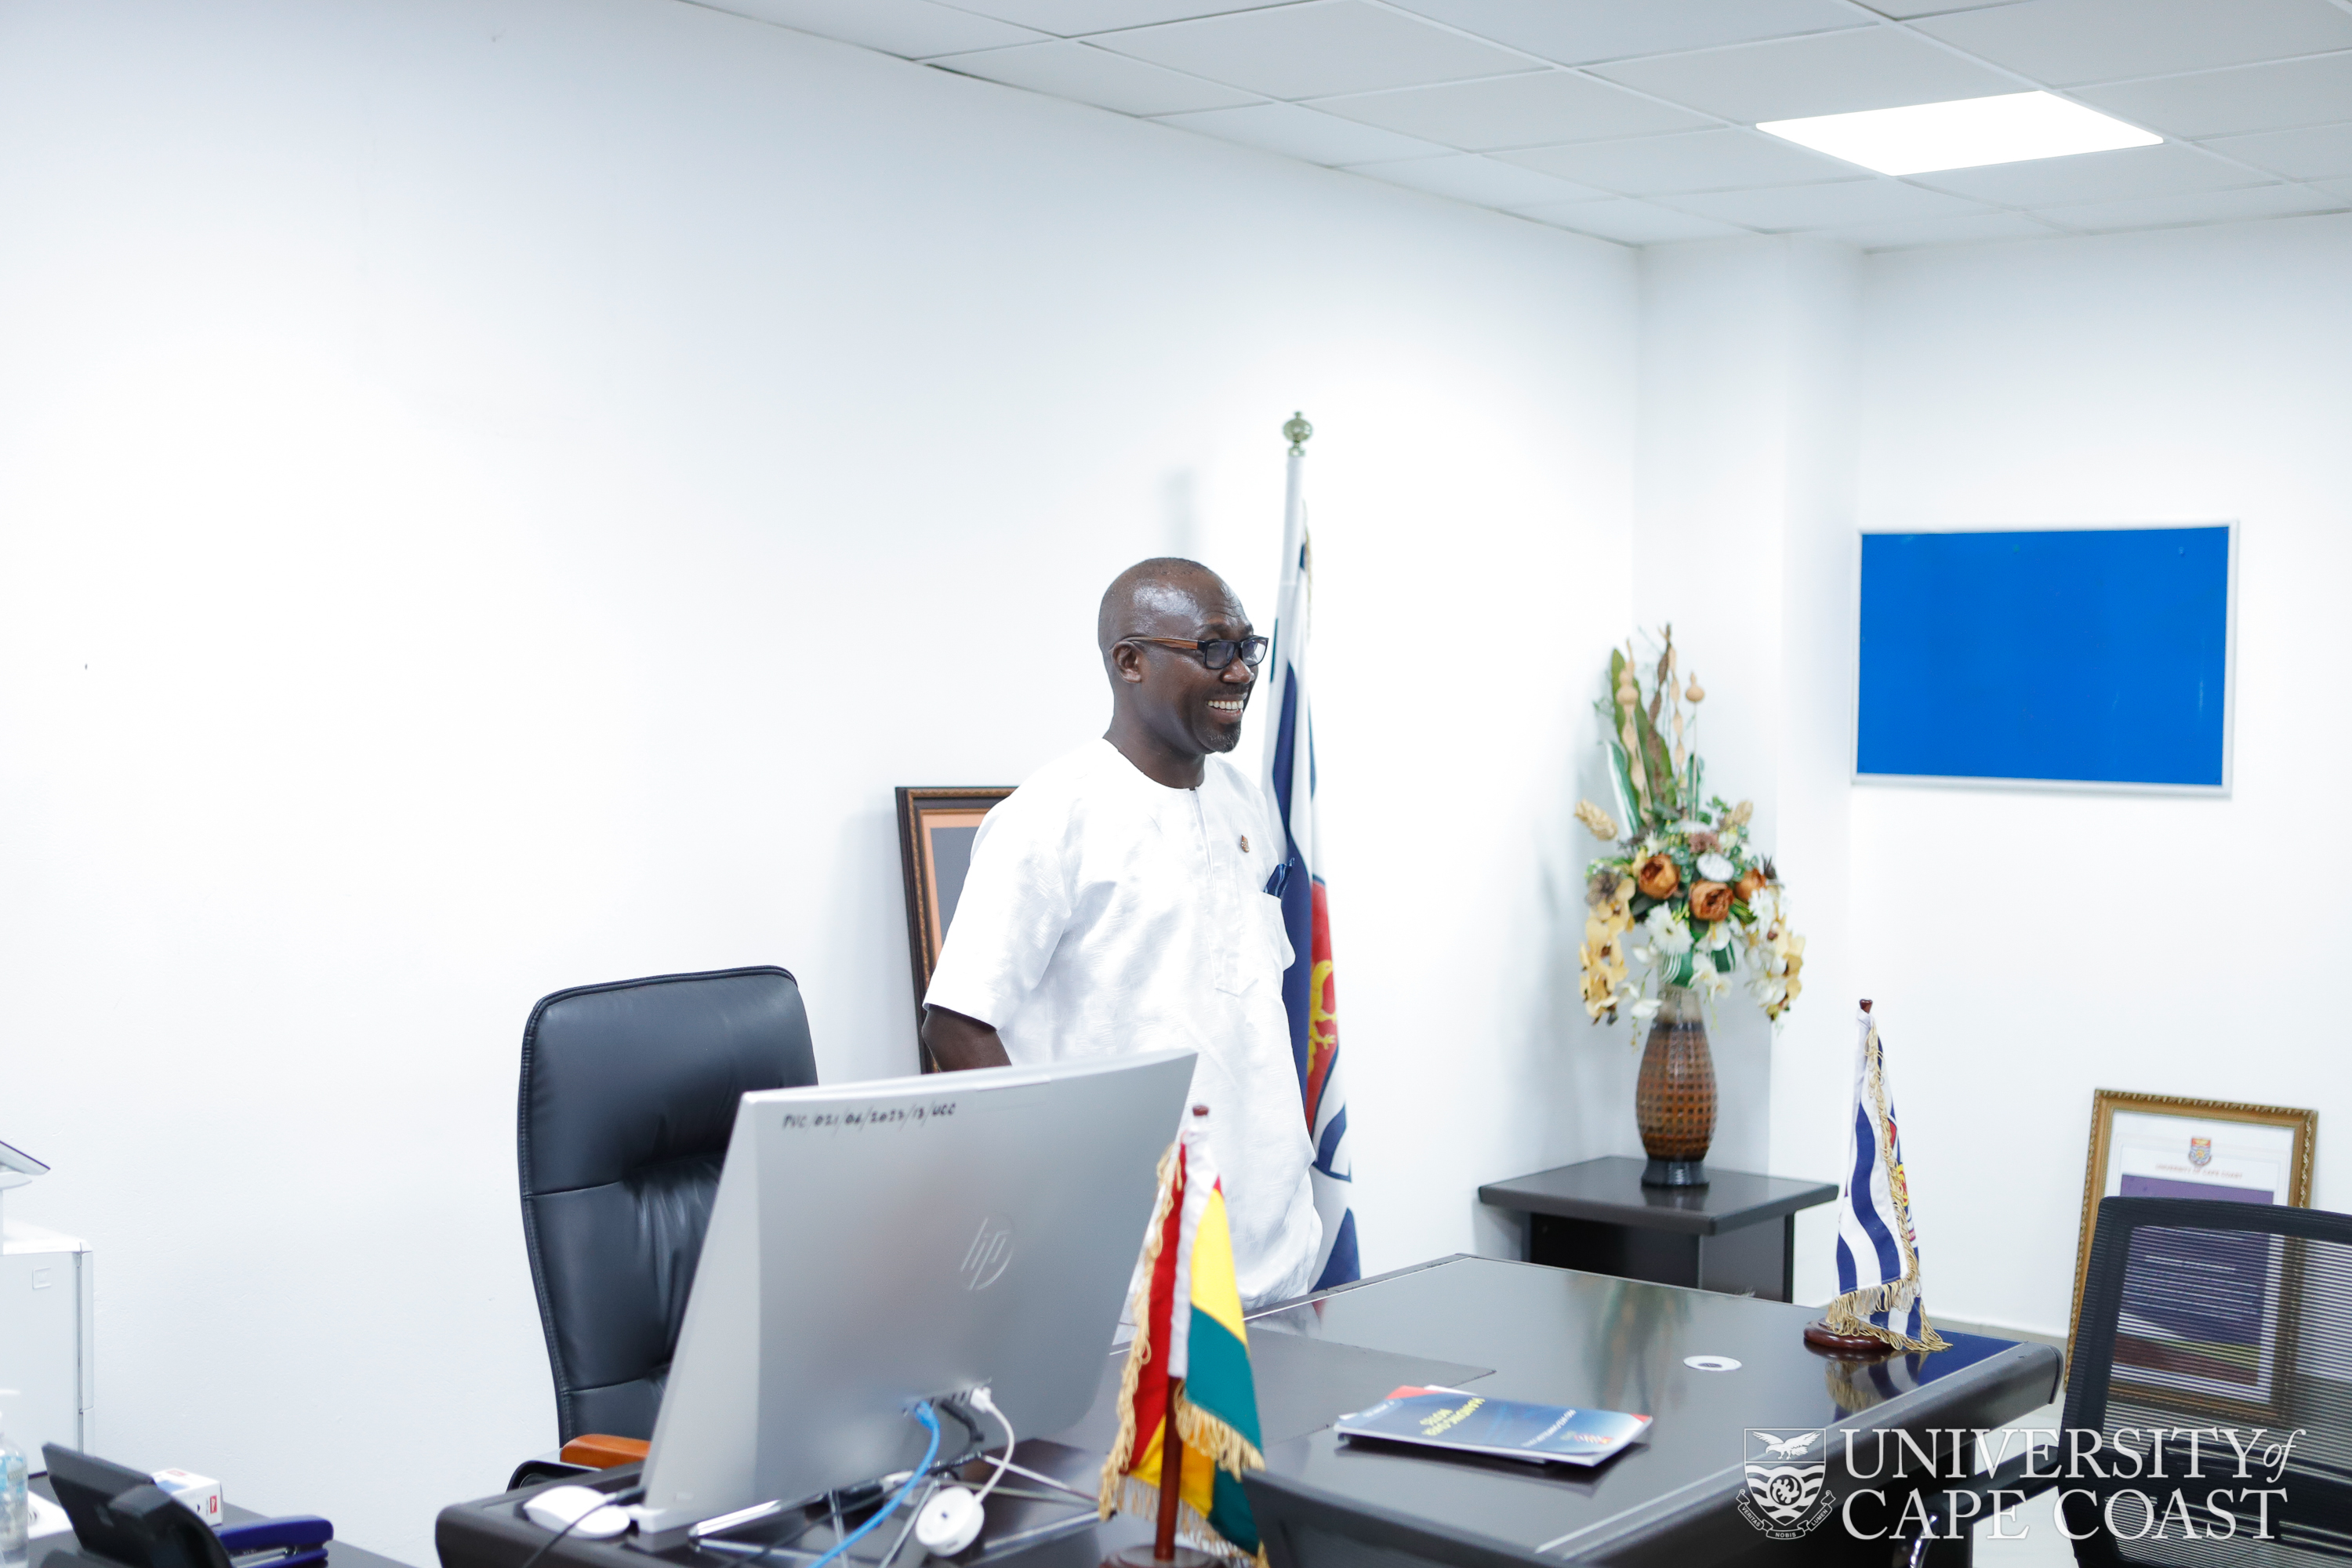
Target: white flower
x=1764 y=903
x=1688 y=826
x=1667 y=934
x=1646 y=1010
x=1718 y=936
x=1717 y=868
x=1706 y=982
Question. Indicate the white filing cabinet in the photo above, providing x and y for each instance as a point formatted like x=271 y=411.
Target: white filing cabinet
x=45 y=1340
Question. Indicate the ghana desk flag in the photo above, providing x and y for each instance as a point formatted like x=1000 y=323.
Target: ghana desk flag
x=1877 y=1255
x=1190 y=1346
x=1306 y=987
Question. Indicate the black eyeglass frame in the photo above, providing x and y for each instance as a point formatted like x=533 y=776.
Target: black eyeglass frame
x=1217 y=653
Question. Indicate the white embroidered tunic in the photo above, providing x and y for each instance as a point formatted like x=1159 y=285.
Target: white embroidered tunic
x=1104 y=913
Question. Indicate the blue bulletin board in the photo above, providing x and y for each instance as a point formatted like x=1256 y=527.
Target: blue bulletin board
x=2096 y=656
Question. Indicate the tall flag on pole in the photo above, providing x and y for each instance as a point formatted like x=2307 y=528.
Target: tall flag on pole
x=1190 y=1348
x=1877 y=1254
x=1307 y=989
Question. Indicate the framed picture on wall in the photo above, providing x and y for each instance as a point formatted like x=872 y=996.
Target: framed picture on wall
x=2216 y=1321
x=937 y=824
x=2060 y=658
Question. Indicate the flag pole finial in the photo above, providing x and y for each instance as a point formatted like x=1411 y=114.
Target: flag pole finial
x=1295 y=430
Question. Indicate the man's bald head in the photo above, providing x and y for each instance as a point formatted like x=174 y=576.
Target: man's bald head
x=1169 y=708
x=1164 y=596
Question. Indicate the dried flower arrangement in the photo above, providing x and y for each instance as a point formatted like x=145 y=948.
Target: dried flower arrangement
x=1700 y=903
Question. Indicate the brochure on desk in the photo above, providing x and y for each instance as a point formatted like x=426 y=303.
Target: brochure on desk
x=1464 y=1423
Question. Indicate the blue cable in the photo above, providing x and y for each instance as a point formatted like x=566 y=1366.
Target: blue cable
x=923 y=1413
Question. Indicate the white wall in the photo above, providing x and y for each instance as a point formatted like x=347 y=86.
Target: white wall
x=2029 y=948
x=2022 y=949
x=492 y=496
x=1744 y=511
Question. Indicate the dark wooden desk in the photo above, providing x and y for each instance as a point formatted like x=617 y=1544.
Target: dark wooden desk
x=1550 y=1335
x=340 y=1553
x=1597 y=1215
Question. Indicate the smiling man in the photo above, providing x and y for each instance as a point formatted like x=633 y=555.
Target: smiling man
x=1117 y=903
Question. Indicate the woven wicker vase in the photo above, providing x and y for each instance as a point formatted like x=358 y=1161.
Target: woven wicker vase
x=1674 y=1099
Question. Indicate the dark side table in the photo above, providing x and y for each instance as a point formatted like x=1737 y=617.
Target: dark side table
x=1597 y=1216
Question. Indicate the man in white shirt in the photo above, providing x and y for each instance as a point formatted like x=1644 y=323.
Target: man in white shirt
x=1117 y=903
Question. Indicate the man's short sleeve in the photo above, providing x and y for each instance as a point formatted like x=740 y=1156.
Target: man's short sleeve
x=1009 y=918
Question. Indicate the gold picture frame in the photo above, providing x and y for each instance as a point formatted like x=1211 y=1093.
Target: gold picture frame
x=936 y=828
x=2162 y=1145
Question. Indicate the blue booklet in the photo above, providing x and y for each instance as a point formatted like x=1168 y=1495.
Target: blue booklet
x=1474 y=1424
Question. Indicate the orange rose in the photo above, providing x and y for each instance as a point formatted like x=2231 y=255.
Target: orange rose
x=1657 y=877
x=1709 y=900
x=1749 y=880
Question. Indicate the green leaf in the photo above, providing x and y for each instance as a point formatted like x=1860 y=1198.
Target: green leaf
x=1723 y=961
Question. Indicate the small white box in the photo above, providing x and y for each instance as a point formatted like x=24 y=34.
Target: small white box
x=201 y=1494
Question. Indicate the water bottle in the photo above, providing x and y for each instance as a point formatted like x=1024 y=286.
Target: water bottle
x=16 y=1505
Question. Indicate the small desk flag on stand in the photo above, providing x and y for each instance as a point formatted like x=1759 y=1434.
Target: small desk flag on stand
x=1187 y=1368
x=1877 y=1255
x=1307 y=992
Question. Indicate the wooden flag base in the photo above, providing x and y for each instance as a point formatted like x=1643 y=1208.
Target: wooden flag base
x=1820 y=1336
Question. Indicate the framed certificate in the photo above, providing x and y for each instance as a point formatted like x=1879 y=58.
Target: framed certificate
x=2221 y=1342
x=936 y=825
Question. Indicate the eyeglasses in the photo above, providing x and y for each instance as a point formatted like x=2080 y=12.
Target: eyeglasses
x=1217 y=652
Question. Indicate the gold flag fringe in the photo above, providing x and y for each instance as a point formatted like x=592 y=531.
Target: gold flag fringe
x=1231 y=1452
x=1122 y=1447
x=1195 y=1428
x=1141 y=1498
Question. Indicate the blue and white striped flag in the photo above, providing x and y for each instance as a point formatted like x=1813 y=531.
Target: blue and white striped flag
x=1307 y=988
x=1877 y=1255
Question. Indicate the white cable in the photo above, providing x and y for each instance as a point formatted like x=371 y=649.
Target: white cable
x=979 y=1399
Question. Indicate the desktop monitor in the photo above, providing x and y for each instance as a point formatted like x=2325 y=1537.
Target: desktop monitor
x=876 y=1244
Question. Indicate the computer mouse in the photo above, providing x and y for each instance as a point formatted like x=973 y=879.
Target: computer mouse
x=950 y=1521
x=580 y=1512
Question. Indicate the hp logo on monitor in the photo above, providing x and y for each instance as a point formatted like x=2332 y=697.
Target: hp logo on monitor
x=991 y=1251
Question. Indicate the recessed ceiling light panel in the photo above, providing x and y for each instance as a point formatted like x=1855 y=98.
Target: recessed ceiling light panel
x=1965 y=133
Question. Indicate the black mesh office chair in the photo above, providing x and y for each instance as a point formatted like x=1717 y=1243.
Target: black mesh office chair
x=629 y=1092
x=2204 y=1316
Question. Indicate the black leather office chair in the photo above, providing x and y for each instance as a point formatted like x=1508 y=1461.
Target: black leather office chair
x=2197 y=1316
x=629 y=1092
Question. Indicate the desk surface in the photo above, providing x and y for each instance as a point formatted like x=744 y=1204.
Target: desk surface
x=1611 y=1191
x=1560 y=1337
x=340 y=1553
x=1552 y=1335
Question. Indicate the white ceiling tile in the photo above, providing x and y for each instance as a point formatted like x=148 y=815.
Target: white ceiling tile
x=1467 y=177
x=1629 y=222
x=2211 y=207
x=2321 y=152
x=1514 y=111
x=1304 y=133
x=2279 y=96
x=1973 y=229
x=2063 y=43
x=1827 y=73
x=2171 y=168
x=1070 y=18
x=1696 y=160
x=911 y=28
x=1316 y=49
x=1578 y=32
x=1087 y=75
x=1845 y=205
